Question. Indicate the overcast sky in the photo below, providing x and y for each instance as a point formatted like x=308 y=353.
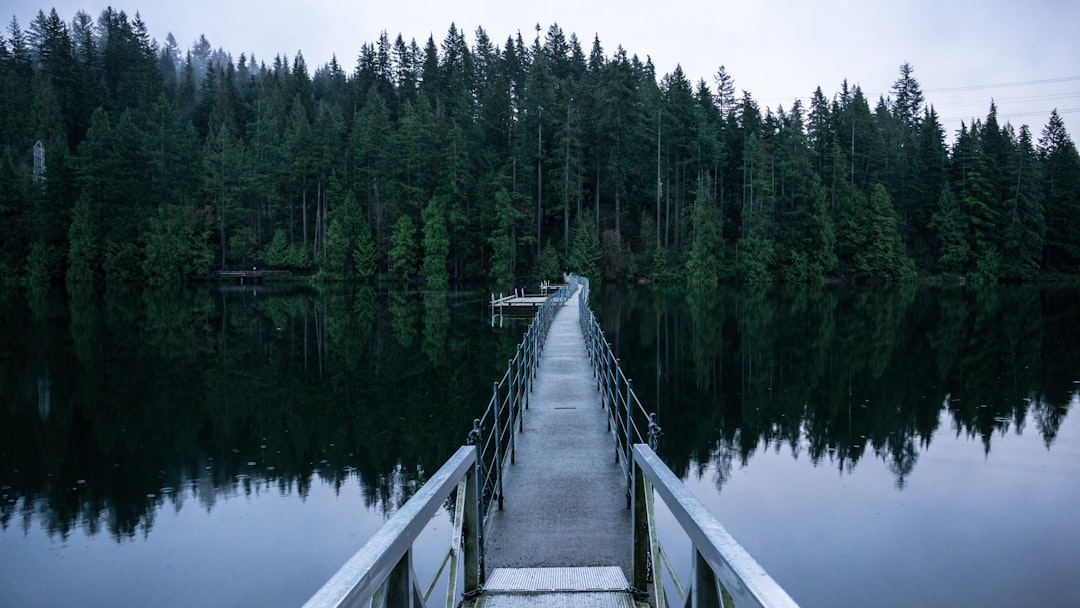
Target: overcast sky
x=1024 y=54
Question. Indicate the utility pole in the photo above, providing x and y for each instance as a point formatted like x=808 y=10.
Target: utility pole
x=659 y=183
x=566 y=183
x=539 y=179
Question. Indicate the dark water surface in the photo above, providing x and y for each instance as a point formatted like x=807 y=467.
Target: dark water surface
x=874 y=447
x=879 y=446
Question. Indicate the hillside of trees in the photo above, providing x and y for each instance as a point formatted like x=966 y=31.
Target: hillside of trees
x=125 y=159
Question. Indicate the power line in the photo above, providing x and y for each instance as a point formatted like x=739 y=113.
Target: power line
x=1015 y=115
x=1021 y=83
x=956 y=89
x=1001 y=100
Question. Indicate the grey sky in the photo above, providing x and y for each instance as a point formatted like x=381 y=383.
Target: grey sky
x=777 y=50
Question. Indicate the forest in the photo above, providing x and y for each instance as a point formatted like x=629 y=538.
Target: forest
x=123 y=159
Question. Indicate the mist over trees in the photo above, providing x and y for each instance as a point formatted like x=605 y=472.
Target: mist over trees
x=126 y=159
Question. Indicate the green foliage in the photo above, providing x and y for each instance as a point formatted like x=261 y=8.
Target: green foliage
x=756 y=256
x=337 y=262
x=664 y=269
x=703 y=267
x=883 y=255
x=616 y=260
x=518 y=144
x=1061 y=196
x=987 y=267
x=43 y=264
x=504 y=237
x=363 y=254
x=276 y=253
x=299 y=258
x=949 y=228
x=550 y=268
x=585 y=253
x=402 y=254
x=176 y=246
x=436 y=244
x=84 y=253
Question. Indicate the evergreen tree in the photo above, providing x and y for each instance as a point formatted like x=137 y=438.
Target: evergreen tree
x=402 y=254
x=949 y=225
x=703 y=267
x=971 y=182
x=1025 y=220
x=883 y=255
x=363 y=255
x=585 y=252
x=176 y=246
x=84 y=237
x=276 y=254
x=549 y=268
x=1061 y=196
x=436 y=244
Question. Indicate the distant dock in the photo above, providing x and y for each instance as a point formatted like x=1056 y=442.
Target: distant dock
x=254 y=275
x=520 y=301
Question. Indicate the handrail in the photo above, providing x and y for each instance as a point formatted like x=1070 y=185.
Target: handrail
x=720 y=563
x=625 y=421
x=510 y=397
x=381 y=573
x=383 y=567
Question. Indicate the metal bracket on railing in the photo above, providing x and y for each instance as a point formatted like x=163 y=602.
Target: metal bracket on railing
x=474 y=434
x=655 y=432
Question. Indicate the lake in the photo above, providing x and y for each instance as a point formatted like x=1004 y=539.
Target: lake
x=872 y=446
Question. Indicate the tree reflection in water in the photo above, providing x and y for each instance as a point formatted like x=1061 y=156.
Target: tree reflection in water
x=122 y=403
x=834 y=373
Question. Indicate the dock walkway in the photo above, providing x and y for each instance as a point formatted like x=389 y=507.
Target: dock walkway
x=565 y=502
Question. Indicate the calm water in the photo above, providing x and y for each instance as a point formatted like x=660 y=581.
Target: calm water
x=874 y=447
x=869 y=447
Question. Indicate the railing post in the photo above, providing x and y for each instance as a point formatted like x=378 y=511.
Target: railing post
x=498 y=444
x=400 y=584
x=703 y=587
x=629 y=430
x=639 y=532
x=514 y=407
x=473 y=529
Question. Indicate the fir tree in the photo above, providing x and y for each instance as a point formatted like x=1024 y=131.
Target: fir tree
x=585 y=252
x=703 y=267
x=436 y=244
x=363 y=255
x=403 y=248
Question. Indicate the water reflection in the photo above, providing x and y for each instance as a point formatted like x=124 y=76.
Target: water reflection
x=118 y=405
x=838 y=373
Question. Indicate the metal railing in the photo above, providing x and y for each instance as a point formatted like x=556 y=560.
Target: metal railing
x=627 y=419
x=510 y=398
x=381 y=573
x=723 y=573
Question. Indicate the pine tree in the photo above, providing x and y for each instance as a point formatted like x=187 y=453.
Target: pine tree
x=1025 y=220
x=884 y=255
x=949 y=226
x=1061 y=196
x=363 y=255
x=585 y=252
x=403 y=248
x=703 y=267
x=436 y=244
x=276 y=254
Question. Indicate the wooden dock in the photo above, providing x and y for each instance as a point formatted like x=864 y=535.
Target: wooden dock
x=521 y=300
x=254 y=275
